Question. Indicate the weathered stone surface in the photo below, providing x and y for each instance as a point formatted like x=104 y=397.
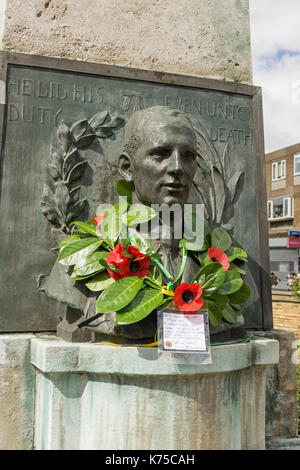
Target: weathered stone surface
x=17 y=388
x=281 y=405
x=52 y=355
x=103 y=397
x=206 y=38
x=286 y=316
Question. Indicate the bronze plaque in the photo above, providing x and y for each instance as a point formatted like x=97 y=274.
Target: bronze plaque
x=46 y=97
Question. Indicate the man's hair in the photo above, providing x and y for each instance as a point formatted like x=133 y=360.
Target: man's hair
x=133 y=132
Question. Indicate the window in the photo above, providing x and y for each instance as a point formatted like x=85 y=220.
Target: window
x=297 y=164
x=278 y=170
x=280 y=207
x=282 y=266
x=270 y=209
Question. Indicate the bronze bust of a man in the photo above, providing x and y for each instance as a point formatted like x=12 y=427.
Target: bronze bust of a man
x=159 y=159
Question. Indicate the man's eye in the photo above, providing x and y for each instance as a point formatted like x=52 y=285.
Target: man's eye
x=163 y=152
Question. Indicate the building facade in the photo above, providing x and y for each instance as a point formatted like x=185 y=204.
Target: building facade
x=283 y=208
x=283 y=189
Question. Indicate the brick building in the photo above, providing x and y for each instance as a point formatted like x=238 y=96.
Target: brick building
x=283 y=195
x=283 y=190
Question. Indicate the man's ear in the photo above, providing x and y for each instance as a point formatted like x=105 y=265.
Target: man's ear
x=125 y=167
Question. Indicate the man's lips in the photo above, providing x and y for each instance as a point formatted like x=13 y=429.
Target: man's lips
x=174 y=186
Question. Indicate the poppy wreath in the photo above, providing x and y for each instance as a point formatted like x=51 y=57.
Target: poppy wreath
x=127 y=272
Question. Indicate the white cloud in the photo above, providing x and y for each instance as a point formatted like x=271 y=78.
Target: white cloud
x=274 y=29
x=274 y=25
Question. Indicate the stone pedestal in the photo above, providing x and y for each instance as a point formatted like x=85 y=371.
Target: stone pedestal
x=208 y=38
x=17 y=392
x=105 y=397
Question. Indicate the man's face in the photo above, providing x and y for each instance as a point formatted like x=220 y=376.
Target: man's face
x=164 y=166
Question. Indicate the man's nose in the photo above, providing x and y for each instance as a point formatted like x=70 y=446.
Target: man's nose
x=175 y=164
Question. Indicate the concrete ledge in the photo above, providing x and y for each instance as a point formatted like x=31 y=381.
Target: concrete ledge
x=128 y=398
x=52 y=355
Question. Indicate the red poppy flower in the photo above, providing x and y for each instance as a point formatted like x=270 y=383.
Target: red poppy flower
x=135 y=267
x=215 y=254
x=133 y=250
x=98 y=220
x=188 y=297
x=115 y=257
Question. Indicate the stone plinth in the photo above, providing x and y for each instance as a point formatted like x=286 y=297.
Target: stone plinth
x=106 y=397
x=17 y=390
x=205 y=38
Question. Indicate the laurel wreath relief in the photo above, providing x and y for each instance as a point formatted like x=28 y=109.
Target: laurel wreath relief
x=219 y=188
x=218 y=182
x=61 y=203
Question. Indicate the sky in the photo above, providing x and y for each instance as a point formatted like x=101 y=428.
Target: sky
x=275 y=42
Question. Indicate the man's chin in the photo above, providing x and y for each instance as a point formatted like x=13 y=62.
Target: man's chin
x=172 y=199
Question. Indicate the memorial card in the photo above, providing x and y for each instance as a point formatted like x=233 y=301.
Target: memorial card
x=183 y=332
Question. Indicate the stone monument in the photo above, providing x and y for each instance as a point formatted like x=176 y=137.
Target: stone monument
x=159 y=159
x=52 y=104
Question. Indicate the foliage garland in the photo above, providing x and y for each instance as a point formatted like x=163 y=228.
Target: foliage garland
x=127 y=271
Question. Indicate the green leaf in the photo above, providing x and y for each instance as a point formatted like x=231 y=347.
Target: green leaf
x=143 y=304
x=204 y=272
x=236 y=306
x=152 y=284
x=66 y=241
x=192 y=245
x=144 y=244
x=91 y=264
x=204 y=259
x=214 y=314
x=112 y=223
x=74 y=277
x=229 y=314
x=100 y=282
x=240 y=296
x=236 y=268
x=86 y=228
x=213 y=282
x=157 y=275
x=109 y=266
x=220 y=239
x=124 y=188
x=235 y=252
x=155 y=256
x=119 y=294
x=220 y=300
x=165 y=303
x=232 y=283
x=191 y=226
x=74 y=252
x=138 y=214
